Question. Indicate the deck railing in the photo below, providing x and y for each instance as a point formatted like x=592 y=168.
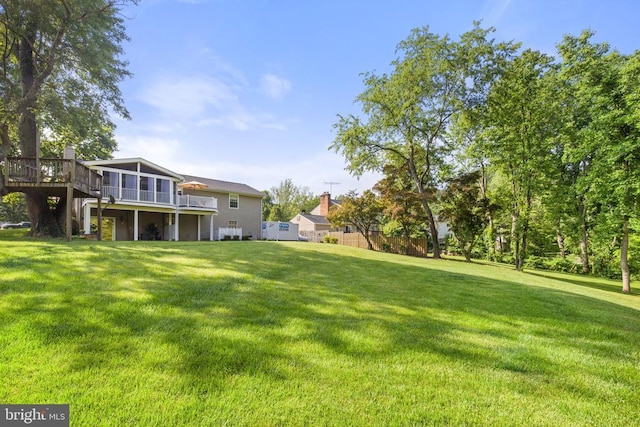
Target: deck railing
x=197 y=201
x=32 y=171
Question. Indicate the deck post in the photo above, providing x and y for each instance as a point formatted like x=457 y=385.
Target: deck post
x=136 y=226
x=99 y=217
x=70 y=157
x=69 y=210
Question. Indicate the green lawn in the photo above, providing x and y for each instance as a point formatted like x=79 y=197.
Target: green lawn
x=274 y=333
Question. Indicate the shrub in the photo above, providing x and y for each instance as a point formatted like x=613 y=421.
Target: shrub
x=534 y=261
x=330 y=239
x=386 y=247
x=564 y=265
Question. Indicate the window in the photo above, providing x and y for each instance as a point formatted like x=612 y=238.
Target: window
x=146 y=188
x=129 y=187
x=234 y=201
x=233 y=224
x=110 y=185
x=163 y=190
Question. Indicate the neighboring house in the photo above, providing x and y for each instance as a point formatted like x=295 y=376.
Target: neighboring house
x=325 y=204
x=310 y=224
x=144 y=201
x=239 y=206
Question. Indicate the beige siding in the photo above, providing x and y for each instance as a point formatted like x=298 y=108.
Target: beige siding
x=248 y=215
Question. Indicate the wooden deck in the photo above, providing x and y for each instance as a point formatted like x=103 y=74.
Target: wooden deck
x=52 y=177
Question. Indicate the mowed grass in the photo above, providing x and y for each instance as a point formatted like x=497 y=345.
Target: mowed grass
x=274 y=333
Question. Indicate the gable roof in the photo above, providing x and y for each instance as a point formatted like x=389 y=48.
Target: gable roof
x=132 y=161
x=316 y=219
x=225 y=186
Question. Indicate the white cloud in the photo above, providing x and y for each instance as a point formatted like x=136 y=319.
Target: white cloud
x=155 y=149
x=200 y=101
x=188 y=97
x=274 y=87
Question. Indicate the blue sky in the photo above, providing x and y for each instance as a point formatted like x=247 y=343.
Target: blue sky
x=248 y=90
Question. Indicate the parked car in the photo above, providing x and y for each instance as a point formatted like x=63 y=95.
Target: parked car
x=8 y=225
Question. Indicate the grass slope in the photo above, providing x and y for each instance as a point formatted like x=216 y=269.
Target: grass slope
x=268 y=333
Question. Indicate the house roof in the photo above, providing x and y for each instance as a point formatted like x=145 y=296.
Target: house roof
x=316 y=219
x=225 y=186
x=132 y=161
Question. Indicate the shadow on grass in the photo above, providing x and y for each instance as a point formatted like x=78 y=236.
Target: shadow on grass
x=205 y=312
x=586 y=281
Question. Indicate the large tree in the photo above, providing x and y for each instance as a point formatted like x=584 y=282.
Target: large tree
x=287 y=200
x=363 y=212
x=616 y=168
x=465 y=209
x=60 y=66
x=401 y=203
x=408 y=111
x=521 y=134
x=584 y=91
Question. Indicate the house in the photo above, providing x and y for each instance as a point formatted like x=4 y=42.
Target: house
x=239 y=206
x=315 y=223
x=326 y=202
x=144 y=201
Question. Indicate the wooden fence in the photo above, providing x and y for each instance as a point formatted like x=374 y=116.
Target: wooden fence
x=397 y=245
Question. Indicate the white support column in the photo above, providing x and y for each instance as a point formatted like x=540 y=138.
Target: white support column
x=87 y=218
x=135 y=224
x=211 y=228
x=199 y=219
x=177 y=227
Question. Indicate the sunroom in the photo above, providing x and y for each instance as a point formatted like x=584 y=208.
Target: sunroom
x=142 y=201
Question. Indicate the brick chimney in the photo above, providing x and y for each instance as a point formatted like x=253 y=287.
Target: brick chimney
x=325 y=203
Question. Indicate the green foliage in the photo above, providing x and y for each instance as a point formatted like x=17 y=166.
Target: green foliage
x=77 y=66
x=13 y=208
x=564 y=265
x=287 y=200
x=363 y=212
x=267 y=204
x=557 y=142
x=330 y=239
x=401 y=202
x=60 y=66
x=465 y=210
x=408 y=111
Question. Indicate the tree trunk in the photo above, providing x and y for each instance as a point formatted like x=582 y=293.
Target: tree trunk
x=5 y=148
x=515 y=240
x=43 y=221
x=624 y=257
x=367 y=237
x=491 y=228
x=523 y=246
x=584 y=239
x=433 y=230
x=560 y=241
x=424 y=198
x=467 y=253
